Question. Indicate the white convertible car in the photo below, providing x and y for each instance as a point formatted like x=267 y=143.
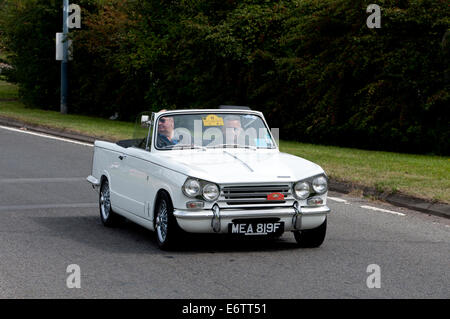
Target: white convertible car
x=209 y=171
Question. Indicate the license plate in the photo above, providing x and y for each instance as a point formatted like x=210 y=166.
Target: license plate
x=256 y=228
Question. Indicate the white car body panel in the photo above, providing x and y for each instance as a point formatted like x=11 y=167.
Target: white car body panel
x=251 y=166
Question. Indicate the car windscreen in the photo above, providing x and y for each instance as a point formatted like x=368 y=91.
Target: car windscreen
x=212 y=130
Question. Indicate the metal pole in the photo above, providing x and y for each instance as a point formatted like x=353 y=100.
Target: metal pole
x=64 y=62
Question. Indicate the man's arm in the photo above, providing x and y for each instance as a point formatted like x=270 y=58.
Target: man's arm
x=162 y=141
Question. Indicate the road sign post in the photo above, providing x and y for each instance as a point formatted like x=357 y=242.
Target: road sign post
x=64 y=62
x=62 y=47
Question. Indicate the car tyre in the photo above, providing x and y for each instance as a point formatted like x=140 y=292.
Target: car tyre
x=311 y=238
x=108 y=217
x=167 y=230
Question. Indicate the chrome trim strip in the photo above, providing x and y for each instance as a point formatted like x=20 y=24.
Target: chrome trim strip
x=248 y=213
x=238 y=159
x=315 y=210
x=182 y=214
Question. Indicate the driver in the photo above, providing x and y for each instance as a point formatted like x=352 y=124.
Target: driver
x=166 y=132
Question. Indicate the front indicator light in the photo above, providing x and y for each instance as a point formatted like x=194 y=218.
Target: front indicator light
x=195 y=205
x=315 y=201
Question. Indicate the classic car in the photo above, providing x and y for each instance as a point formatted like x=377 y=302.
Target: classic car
x=209 y=171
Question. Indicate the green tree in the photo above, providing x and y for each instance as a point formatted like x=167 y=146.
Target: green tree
x=312 y=66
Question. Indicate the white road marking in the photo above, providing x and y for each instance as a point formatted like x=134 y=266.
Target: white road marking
x=42 y=180
x=46 y=136
x=382 y=210
x=47 y=206
x=337 y=199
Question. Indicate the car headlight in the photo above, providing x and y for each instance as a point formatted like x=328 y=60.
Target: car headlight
x=320 y=185
x=302 y=190
x=191 y=187
x=210 y=192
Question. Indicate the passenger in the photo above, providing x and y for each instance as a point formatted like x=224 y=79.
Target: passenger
x=232 y=129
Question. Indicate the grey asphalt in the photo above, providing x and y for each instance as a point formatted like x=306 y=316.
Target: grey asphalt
x=49 y=220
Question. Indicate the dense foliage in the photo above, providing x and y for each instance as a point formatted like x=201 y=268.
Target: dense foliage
x=312 y=66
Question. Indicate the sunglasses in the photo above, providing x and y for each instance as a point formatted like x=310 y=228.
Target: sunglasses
x=163 y=120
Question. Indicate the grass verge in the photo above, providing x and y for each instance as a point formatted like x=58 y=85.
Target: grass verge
x=7 y=90
x=92 y=126
x=422 y=176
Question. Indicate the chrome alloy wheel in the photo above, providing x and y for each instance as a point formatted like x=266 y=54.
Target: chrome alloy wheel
x=105 y=203
x=162 y=220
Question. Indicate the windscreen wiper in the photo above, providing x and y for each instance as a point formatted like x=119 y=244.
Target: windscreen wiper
x=188 y=146
x=233 y=146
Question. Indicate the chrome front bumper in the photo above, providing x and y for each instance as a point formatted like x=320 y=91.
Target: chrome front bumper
x=210 y=221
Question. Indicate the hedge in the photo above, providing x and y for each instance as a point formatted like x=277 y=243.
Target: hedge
x=313 y=66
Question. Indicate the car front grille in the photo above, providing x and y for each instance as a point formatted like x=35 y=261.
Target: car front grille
x=255 y=195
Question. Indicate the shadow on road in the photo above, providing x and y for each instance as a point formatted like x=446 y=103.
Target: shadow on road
x=129 y=237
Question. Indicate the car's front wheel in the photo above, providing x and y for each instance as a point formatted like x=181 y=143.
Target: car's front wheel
x=107 y=216
x=166 y=227
x=311 y=238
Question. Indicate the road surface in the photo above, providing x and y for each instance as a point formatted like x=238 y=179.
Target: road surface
x=49 y=220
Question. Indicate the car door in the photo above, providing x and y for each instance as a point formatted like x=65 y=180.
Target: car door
x=134 y=174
